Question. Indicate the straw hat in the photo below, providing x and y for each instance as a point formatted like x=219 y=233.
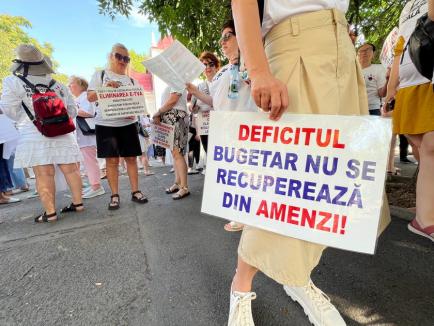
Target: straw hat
x=31 y=61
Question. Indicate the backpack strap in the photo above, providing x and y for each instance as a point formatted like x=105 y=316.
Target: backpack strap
x=29 y=114
x=52 y=83
x=261 y=10
x=26 y=81
x=102 y=76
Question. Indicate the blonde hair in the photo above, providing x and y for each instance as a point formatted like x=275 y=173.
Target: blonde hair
x=80 y=82
x=114 y=47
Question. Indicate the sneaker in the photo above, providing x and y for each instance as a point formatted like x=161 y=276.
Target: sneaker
x=240 y=311
x=203 y=172
x=427 y=232
x=94 y=193
x=316 y=305
x=85 y=190
x=172 y=170
x=192 y=171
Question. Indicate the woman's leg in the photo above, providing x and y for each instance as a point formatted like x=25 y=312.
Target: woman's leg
x=243 y=278
x=180 y=168
x=391 y=161
x=92 y=167
x=45 y=186
x=133 y=172
x=72 y=176
x=112 y=172
x=425 y=184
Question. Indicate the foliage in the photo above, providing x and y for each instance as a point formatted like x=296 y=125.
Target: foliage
x=197 y=23
x=12 y=34
x=136 y=61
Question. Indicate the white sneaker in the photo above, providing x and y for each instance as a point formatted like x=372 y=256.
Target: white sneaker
x=316 y=305
x=94 y=193
x=203 y=172
x=86 y=190
x=240 y=311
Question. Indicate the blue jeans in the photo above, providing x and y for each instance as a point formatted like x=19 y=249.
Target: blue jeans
x=18 y=176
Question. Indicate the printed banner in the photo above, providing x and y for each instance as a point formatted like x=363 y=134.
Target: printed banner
x=162 y=135
x=318 y=178
x=202 y=123
x=387 y=51
x=125 y=101
x=176 y=66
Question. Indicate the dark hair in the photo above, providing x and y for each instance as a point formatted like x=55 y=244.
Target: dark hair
x=370 y=44
x=206 y=55
x=229 y=24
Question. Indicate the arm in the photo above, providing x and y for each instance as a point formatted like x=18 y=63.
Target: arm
x=193 y=90
x=10 y=102
x=84 y=114
x=167 y=106
x=431 y=9
x=392 y=84
x=269 y=93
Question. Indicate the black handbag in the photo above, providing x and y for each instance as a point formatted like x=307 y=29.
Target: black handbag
x=421 y=46
x=84 y=126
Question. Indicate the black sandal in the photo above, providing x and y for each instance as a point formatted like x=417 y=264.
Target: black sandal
x=71 y=208
x=141 y=200
x=114 y=204
x=44 y=218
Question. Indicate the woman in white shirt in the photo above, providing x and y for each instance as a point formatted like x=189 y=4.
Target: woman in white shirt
x=34 y=149
x=174 y=112
x=87 y=143
x=117 y=137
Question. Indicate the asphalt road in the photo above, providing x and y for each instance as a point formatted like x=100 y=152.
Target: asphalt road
x=166 y=264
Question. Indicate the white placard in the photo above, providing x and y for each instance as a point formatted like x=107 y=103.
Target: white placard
x=8 y=132
x=387 y=51
x=176 y=66
x=125 y=101
x=202 y=123
x=318 y=178
x=162 y=135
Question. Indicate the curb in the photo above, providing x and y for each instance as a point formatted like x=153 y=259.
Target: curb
x=401 y=213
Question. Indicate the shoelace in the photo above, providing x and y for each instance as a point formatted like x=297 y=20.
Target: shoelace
x=244 y=308
x=322 y=301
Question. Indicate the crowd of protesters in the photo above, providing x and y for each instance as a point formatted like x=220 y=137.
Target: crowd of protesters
x=268 y=48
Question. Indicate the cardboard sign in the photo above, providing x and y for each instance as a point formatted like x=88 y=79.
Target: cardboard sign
x=387 y=51
x=162 y=135
x=202 y=123
x=318 y=178
x=125 y=101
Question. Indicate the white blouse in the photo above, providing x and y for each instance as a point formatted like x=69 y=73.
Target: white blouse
x=277 y=10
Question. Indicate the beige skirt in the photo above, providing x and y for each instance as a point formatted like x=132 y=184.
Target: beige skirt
x=313 y=54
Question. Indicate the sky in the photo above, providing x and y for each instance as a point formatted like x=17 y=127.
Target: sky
x=81 y=37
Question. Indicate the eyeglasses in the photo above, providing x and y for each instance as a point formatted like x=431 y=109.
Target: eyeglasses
x=209 y=64
x=226 y=37
x=121 y=57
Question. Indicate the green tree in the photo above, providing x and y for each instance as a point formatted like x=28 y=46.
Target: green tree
x=12 y=34
x=136 y=61
x=197 y=23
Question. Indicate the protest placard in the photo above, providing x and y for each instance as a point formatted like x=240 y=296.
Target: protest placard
x=318 y=178
x=176 y=66
x=202 y=123
x=125 y=101
x=162 y=135
x=386 y=54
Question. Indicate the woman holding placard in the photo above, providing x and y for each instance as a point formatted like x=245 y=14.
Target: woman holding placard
x=174 y=112
x=117 y=137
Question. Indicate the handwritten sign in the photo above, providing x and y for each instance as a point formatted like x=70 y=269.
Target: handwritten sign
x=162 y=135
x=387 y=51
x=176 y=66
x=121 y=102
x=202 y=123
x=318 y=178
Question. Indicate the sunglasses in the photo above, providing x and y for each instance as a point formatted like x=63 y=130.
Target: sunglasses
x=123 y=58
x=209 y=64
x=226 y=37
